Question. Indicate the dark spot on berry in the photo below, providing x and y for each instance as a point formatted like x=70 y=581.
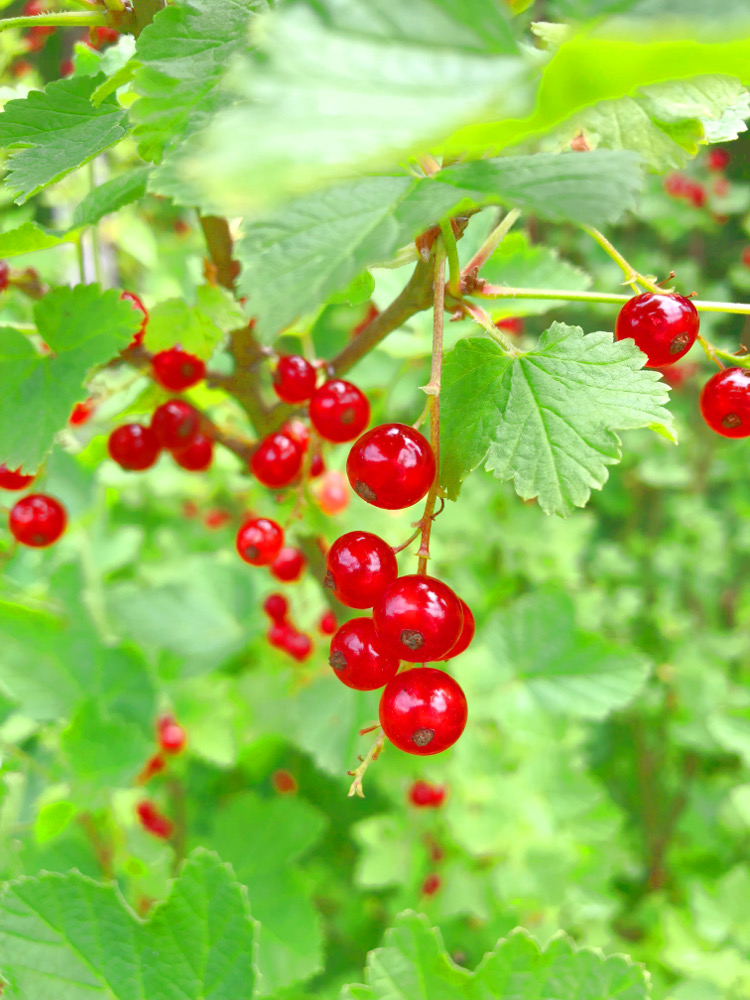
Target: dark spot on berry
x=423 y=736
x=348 y=415
x=337 y=660
x=365 y=491
x=328 y=581
x=412 y=638
x=252 y=551
x=730 y=421
x=39 y=539
x=679 y=343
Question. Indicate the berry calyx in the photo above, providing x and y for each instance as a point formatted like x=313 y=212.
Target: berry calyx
x=663 y=326
x=718 y=159
x=328 y=623
x=289 y=565
x=391 y=466
x=725 y=402
x=467 y=633
x=359 y=659
x=175 y=423
x=426 y=796
x=423 y=711
x=418 y=618
x=172 y=737
x=360 y=567
x=276 y=607
x=294 y=379
x=276 y=461
x=134 y=447
x=259 y=541
x=155 y=822
x=14 y=480
x=136 y=303
x=339 y=411
x=37 y=520
x=196 y=456
x=177 y=370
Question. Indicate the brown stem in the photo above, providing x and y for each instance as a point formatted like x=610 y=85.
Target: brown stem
x=179 y=818
x=220 y=248
x=102 y=848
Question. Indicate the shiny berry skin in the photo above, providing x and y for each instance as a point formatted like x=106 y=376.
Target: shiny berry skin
x=10 y=480
x=298 y=431
x=37 y=520
x=154 y=821
x=175 y=423
x=172 y=737
x=663 y=326
x=136 y=303
x=328 y=623
x=359 y=659
x=177 y=370
x=467 y=633
x=294 y=379
x=277 y=461
x=426 y=796
x=361 y=566
x=196 y=456
x=276 y=607
x=134 y=447
x=718 y=159
x=339 y=411
x=332 y=493
x=259 y=541
x=81 y=413
x=299 y=646
x=4 y=276
x=423 y=711
x=418 y=618
x=391 y=466
x=289 y=565
x=725 y=402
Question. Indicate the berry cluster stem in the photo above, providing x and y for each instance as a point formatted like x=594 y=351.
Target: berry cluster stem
x=632 y=277
x=63 y=19
x=372 y=754
x=491 y=244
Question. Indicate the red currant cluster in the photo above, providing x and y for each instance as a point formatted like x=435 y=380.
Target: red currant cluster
x=175 y=427
x=171 y=739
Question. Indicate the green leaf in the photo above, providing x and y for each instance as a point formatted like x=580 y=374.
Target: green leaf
x=54 y=131
x=68 y=936
x=111 y=196
x=84 y=327
x=545 y=418
x=103 y=749
x=52 y=819
x=29 y=237
x=732 y=732
x=175 y=321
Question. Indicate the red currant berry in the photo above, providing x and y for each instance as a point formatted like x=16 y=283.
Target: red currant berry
x=423 y=711
x=81 y=413
x=677 y=185
x=277 y=461
x=718 y=159
x=284 y=783
x=663 y=326
x=746 y=256
x=154 y=765
x=418 y=618
x=37 y=520
x=332 y=493
x=339 y=411
x=280 y=633
x=196 y=456
x=136 y=303
x=317 y=466
x=294 y=379
x=177 y=370
x=298 y=431
x=289 y=565
x=361 y=566
x=10 y=480
x=4 y=276
x=697 y=195
x=725 y=402
x=216 y=518
x=134 y=447
x=276 y=607
x=328 y=623
x=425 y=795
x=358 y=657
x=511 y=324
x=432 y=884
x=299 y=646
x=467 y=633
x=172 y=737
x=67 y=67
x=154 y=821
x=391 y=466
x=175 y=423
x=259 y=541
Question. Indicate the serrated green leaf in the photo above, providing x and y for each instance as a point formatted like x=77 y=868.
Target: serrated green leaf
x=545 y=419
x=68 y=935
x=29 y=237
x=103 y=749
x=174 y=321
x=54 y=131
x=111 y=196
x=83 y=327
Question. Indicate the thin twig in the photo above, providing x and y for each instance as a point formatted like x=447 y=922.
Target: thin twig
x=491 y=244
x=359 y=773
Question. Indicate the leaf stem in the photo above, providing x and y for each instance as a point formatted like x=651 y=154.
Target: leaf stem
x=631 y=275
x=63 y=19
x=475 y=312
x=358 y=774
x=612 y=298
x=492 y=242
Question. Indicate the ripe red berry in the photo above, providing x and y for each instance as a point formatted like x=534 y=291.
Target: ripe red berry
x=172 y=737
x=746 y=256
x=299 y=646
x=332 y=493
x=176 y=370
x=423 y=711
x=718 y=159
x=425 y=795
x=136 y=303
x=216 y=518
x=317 y=466
x=697 y=195
x=467 y=633
x=10 y=480
x=4 y=276
x=725 y=402
x=259 y=541
x=67 y=67
x=277 y=461
x=339 y=411
x=197 y=455
x=677 y=185
x=289 y=565
x=284 y=783
x=511 y=324
x=391 y=466
x=328 y=623
x=298 y=431
x=175 y=423
x=663 y=326
x=359 y=659
x=134 y=447
x=294 y=379
x=154 y=821
x=37 y=520
x=276 y=607
x=361 y=566
x=104 y=36
x=81 y=413
x=418 y=618
x=431 y=885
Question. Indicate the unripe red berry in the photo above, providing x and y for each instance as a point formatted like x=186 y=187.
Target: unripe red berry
x=81 y=413
x=361 y=566
x=175 y=423
x=37 y=520
x=423 y=711
x=276 y=607
x=172 y=737
x=294 y=379
x=136 y=303
x=154 y=821
x=339 y=411
x=328 y=623
x=391 y=466
x=718 y=158
x=289 y=565
x=277 y=461
x=197 y=455
x=663 y=326
x=134 y=447
x=10 y=480
x=725 y=402
x=467 y=633
x=177 y=370
x=359 y=659
x=427 y=796
x=418 y=618
x=259 y=541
